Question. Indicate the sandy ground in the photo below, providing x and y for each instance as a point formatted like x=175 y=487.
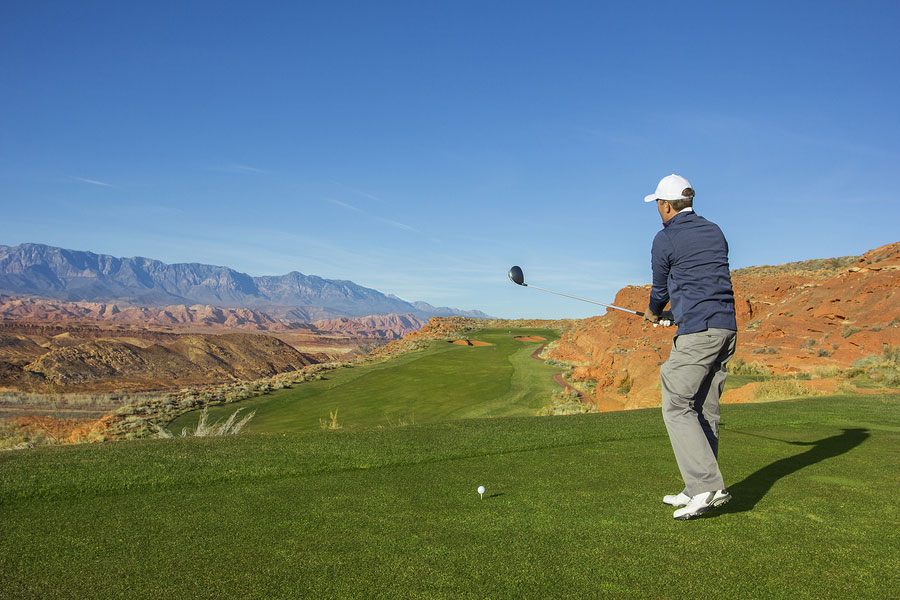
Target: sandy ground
x=470 y=343
x=530 y=338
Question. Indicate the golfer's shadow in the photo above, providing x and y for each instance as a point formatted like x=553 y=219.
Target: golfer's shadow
x=745 y=494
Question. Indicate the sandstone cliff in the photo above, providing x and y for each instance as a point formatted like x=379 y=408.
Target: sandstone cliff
x=791 y=318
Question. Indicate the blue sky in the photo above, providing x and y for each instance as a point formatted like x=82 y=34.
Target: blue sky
x=422 y=148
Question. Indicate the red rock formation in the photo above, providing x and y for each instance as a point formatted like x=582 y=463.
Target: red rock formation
x=791 y=318
x=196 y=318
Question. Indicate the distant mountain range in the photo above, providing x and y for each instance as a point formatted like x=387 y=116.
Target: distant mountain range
x=45 y=271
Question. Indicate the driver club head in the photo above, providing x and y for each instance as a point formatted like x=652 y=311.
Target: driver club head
x=517 y=276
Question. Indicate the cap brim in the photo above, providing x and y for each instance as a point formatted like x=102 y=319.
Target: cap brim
x=650 y=198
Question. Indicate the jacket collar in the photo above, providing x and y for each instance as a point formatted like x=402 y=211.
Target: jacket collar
x=684 y=215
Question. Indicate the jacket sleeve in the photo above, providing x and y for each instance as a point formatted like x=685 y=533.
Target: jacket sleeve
x=660 y=256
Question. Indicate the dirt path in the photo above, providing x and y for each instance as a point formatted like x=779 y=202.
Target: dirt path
x=558 y=378
x=602 y=405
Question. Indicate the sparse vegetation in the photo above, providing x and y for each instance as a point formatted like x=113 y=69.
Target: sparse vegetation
x=402 y=422
x=331 y=423
x=765 y=350
x=738 y=366
x=780 y=389
x=562 y=403
x=826 y=372
x=883 y=369
x=231 y=426
x=625 y=384
x=811 y=268
x=586 y=386
x=848 y=331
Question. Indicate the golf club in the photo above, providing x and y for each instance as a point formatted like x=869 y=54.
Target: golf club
x=518 y=277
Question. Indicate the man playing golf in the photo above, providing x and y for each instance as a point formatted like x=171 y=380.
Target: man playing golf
x=690 y=270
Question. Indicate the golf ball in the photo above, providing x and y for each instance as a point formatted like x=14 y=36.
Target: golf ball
x=480 y=489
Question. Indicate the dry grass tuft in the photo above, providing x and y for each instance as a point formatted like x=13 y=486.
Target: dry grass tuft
x=332 y=422
x=204 y=428
x=781 y=389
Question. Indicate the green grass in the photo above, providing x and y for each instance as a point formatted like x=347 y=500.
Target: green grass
x=442 y=382
x=733 y=381
x=572 y=510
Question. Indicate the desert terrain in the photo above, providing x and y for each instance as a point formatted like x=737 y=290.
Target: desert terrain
x=809 y=318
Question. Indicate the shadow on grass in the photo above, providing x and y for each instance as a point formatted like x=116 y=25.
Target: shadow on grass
x=745 y=494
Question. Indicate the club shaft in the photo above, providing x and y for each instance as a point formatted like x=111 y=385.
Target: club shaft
x=634 y=312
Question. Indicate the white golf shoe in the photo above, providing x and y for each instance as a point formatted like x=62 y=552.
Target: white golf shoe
x=702 y=503
x=680 y=499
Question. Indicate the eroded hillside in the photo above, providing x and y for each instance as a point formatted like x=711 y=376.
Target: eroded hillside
x=791 y=318
x=107 y=364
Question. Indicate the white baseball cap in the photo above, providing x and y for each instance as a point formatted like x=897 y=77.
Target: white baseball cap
x=671 y=187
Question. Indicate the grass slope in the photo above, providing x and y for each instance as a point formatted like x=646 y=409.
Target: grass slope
x=442 y=382
x=572 y=510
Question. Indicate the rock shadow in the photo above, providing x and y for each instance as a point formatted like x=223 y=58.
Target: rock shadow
x=745 y=494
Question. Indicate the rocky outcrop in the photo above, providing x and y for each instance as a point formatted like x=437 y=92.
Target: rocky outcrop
x=381 y=327
x=791 y=318
x=190 y=360
x=37 y=316
x=37 y=310
x=137 y=347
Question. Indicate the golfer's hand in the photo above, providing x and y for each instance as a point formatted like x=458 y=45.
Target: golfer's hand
x=649 y=316
x=666 y=318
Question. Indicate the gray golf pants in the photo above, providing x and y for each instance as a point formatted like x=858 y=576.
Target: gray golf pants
x=692 y=381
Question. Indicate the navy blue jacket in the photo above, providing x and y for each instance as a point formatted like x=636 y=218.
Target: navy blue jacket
x=690 y=268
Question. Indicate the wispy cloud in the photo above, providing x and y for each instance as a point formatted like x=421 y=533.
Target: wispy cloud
x=384 y=220
x=238 y=168
x=93 y=182
x=397 y=224
x=358 y=191
x=343 y=204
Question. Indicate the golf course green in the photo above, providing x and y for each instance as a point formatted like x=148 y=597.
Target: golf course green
x=572 y=509
x=444 y=381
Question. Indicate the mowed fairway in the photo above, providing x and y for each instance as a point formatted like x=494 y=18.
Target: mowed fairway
x=442 y=382
x=572 y=510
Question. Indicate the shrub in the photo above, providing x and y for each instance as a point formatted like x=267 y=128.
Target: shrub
x=780 y=389
x=826 y=372
x=739 y=366
x=331 y=423
x=823 y=353
x=204 y=428
x=566 y=404
x=765 y=350
x=848 y=331
x=625 y=384
x=884 y=367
